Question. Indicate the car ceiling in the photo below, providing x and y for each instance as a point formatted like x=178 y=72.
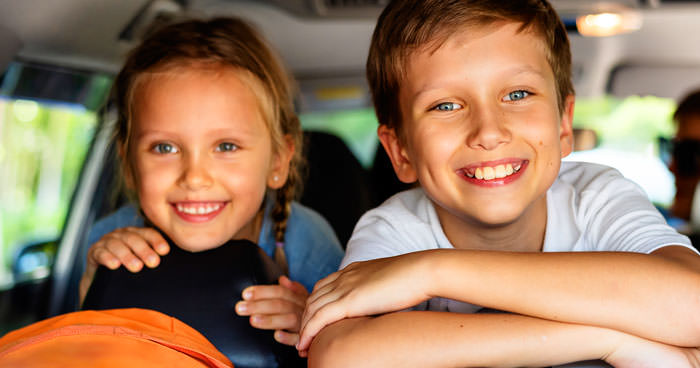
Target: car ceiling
x=315 y=37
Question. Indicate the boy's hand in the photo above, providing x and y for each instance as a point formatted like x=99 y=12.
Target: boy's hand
x=636 y=352
x=129 y=246
x=363 y=289
x=275 y=307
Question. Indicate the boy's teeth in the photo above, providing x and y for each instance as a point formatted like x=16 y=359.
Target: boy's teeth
x=497 y=172
x=198 y=209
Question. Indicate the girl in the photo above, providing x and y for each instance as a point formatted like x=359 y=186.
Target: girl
x=210 y=147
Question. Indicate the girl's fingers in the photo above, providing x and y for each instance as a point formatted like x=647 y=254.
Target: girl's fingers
x=286 y=337
x=104 y=257
x=294 y=286
x=153 y=238
x=261 y=292
x=139 y=247
x=124 y=254
x=284 y=321
x=268 y=306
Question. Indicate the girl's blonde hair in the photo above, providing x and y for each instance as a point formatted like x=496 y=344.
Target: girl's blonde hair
x=227 y=42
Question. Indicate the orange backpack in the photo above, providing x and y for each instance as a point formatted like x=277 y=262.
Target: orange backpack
x=109 y=338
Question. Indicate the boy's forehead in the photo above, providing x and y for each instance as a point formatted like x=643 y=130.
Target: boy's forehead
x=465 y=41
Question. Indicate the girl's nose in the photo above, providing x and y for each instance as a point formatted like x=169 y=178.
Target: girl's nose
x=487 y=129
x=195 y=175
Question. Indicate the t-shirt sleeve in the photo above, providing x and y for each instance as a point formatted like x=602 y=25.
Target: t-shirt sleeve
x=617 y=215
x=398 y=226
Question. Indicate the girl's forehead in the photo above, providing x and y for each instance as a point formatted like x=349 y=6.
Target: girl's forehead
x=196 y=101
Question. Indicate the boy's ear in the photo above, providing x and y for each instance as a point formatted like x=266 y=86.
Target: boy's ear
x=397 y=154
x=566 y=130
x=280 y=164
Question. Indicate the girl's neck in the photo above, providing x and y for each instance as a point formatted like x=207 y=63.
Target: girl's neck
x=525 y=234
x=251 y=231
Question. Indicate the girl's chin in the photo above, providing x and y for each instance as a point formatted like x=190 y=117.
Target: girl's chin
x=197 y=244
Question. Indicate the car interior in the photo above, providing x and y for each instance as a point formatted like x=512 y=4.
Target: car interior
x=58 y=171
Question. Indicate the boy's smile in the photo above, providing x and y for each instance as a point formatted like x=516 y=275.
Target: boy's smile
x=202 y=155
x=482 y=131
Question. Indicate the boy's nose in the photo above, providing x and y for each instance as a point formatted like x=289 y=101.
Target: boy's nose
x=488 y=130
x=195 y=175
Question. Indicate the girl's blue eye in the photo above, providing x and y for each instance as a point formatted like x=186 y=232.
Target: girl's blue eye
x=517 y=95
x=447 y=106
x=226 y=147
x=164 y=148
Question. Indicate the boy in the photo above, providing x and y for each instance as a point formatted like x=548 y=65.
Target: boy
x=475 y=102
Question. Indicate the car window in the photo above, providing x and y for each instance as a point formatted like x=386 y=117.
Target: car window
x=48 y=116
x=628 y=131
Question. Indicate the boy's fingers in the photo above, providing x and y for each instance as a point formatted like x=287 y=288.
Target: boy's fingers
x=260 y=292
x=286 y=321
x=286 y=338
x=325 y=281
x=268 y=306
x=326 y=315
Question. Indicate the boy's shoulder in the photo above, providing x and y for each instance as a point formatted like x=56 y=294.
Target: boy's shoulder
x=583 y=176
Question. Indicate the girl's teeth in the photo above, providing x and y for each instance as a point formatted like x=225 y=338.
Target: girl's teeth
x=198 y=210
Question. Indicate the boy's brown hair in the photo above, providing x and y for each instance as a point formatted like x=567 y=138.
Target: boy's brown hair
x=220 y=42
x=409 y=26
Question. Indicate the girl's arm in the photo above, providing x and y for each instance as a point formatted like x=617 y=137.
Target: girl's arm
x=440 y=339
x=653 y=296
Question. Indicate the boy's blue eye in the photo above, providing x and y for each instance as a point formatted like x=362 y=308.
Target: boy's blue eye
x=447 y=106
x=226 y=147
x=164 y=148
x=517 y=95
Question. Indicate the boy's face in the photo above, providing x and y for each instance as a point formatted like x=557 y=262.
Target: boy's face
x=202 y=156
x=482 y=131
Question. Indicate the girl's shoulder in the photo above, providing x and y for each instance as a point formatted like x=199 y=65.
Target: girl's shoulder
x=309 y=224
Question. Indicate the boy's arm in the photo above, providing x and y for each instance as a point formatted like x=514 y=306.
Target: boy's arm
x=440 y=339
x=654 y=296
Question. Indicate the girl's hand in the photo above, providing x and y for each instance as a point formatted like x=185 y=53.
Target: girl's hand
x=130 y=246
x=362 y=289
x=636 y=352
x=275 y=307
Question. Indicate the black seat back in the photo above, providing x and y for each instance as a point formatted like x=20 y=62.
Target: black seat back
x=201 y=289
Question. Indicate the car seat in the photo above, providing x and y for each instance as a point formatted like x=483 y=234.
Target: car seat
x=201 y=289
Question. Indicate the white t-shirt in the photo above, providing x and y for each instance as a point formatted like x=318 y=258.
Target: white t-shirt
x=590 y=207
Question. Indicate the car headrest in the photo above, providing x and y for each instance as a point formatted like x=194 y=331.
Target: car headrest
x=201 y=289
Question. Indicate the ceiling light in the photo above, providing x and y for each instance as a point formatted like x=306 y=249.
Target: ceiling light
x=608 y=23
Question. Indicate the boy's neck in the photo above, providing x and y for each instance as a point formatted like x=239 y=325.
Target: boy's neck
x=525 y=234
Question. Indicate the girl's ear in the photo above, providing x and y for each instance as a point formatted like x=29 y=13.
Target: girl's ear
x=397 y=154
x=280 y=165
x=566 y=131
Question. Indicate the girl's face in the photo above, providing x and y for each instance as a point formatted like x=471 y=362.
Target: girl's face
x=202 y=156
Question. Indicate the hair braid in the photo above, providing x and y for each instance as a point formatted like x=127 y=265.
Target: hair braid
x=280 y=215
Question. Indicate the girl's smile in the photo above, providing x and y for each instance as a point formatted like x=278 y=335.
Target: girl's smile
x=198 y=212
